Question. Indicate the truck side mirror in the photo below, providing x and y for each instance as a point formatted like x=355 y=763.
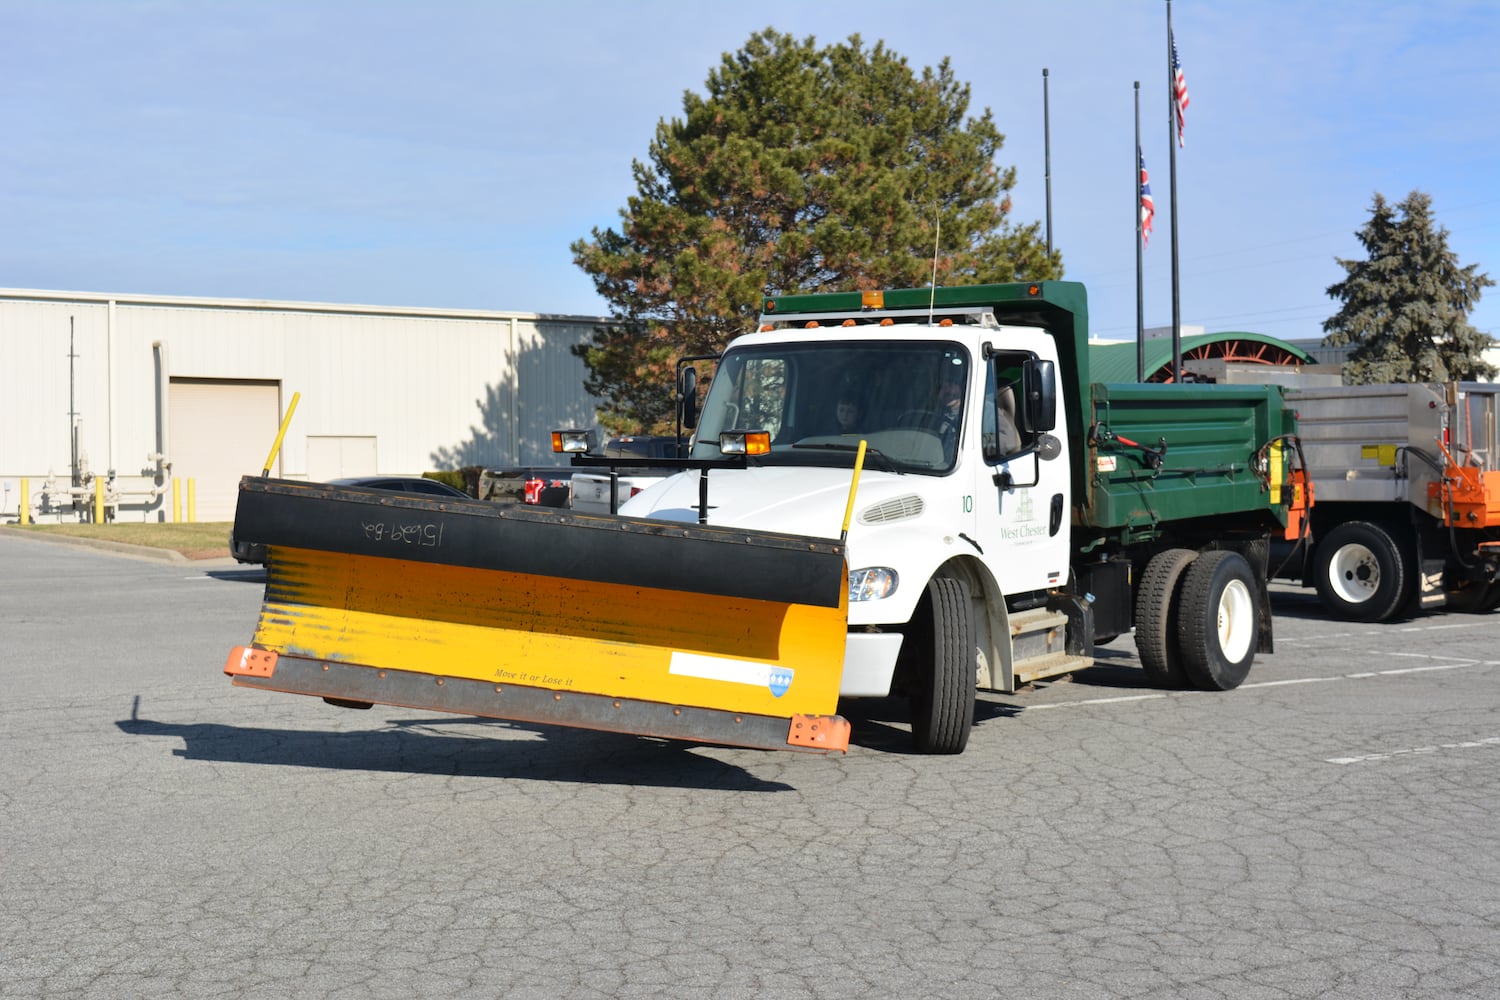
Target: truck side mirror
x=687 y=397
x=1039 y=389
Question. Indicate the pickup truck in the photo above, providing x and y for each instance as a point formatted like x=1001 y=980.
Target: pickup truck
x=540 y=486
x=592 y=490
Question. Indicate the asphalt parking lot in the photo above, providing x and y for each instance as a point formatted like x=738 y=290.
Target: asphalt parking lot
x=1327 y=830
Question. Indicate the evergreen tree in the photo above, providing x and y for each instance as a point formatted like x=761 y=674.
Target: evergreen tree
x=1406 y=308
x=801 y=169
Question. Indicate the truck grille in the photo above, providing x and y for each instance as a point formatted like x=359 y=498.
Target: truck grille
x=897 y=509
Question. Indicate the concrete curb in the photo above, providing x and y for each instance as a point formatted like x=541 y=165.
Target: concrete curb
x=147 y=552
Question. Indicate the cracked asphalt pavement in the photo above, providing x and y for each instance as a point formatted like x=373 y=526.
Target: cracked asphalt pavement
x=1328 y=830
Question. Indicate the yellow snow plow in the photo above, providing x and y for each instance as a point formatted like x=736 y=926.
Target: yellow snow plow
x=674 y=630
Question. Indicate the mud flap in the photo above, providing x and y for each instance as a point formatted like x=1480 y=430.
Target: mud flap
x=503 y=610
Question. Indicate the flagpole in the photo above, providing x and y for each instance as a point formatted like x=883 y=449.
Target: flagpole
x=1047 y=156
x=1140 y=307
x=1172 y=171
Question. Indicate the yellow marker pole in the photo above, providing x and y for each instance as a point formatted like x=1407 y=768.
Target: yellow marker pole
x=98 y=500
x=192 y=500
x=176 y=501
x=25 y=500
x=1275 y=474
x=285 y=421
x=859 y=463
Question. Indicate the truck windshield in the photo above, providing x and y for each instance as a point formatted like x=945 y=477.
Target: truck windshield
x=818 y=400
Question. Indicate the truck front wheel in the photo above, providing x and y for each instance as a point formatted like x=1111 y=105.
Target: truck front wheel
x=1217 y=612
x=942 y=697
x=1359 y=572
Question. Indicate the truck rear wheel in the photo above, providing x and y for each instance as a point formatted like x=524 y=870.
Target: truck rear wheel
x=942 y=697
x=1217 y=612
x=1156 y=618
x=1359 y=572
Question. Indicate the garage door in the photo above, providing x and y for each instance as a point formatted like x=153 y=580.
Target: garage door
x=220 y=430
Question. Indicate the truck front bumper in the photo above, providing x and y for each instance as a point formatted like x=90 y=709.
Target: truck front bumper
x=869 y=664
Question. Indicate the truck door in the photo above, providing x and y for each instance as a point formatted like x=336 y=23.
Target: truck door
x=1021 y=508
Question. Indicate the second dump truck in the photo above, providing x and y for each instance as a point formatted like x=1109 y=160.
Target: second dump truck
x=990 y=516
x=1407 y=478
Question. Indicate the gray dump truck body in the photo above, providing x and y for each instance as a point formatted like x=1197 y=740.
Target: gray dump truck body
x=1405 y=479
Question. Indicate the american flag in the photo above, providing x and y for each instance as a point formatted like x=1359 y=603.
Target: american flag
x=1179 y=92
x=1148 y=207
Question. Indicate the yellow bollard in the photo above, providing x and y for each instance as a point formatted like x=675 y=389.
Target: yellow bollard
x=25 y=500
x=192 y=500
x=176 y=501
x=98 y=500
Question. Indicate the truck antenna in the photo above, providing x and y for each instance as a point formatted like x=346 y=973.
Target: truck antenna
x=932 y=299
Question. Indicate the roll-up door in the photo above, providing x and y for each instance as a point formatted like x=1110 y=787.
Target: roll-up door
x=220 y=430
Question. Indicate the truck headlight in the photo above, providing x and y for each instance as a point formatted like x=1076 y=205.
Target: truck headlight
x=574 y=442
x=872 y=583
x=743 y=442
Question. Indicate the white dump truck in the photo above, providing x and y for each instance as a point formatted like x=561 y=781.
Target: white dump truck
x=988 y=515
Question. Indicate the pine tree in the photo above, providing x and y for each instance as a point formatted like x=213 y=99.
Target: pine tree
x=1406 y=307
x=800 y=169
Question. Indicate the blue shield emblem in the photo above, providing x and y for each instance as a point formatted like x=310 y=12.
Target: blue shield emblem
x=780 y=680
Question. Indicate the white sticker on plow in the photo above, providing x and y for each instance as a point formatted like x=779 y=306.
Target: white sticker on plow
x=719 y=668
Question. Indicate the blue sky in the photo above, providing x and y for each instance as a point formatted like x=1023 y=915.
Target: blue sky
x=444 y=153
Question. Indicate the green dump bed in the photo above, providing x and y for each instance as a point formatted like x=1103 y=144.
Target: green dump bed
x=1222 y=457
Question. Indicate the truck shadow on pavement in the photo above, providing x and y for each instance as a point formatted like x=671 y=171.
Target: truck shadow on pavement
x=1115 y=666
x=422 y=746
x=1304 y=604
x=884 y=724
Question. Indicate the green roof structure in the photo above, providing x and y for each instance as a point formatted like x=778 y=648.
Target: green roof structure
x=1117 y=362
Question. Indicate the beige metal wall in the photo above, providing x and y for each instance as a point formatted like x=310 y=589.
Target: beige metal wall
x=432 y=388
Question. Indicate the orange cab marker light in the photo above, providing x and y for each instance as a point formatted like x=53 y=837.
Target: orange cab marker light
x=812 y=324
x=247 y=661
x=945 y=322
x=819 y=732
x=847 y=322
x=767 y=327
x=887 y=322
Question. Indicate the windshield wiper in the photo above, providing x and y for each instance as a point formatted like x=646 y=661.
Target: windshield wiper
x=890 y=463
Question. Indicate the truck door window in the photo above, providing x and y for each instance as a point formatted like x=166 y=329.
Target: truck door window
x=999 y=436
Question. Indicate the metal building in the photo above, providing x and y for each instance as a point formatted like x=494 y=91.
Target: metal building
x=152 y=393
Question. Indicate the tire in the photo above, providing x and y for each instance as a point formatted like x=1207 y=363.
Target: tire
x=942 y=699
x=1220 y=620
x=1156 y=618
x=1360 y=573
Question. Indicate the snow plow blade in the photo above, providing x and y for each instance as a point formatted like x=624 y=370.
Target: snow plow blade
x=680 y=631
